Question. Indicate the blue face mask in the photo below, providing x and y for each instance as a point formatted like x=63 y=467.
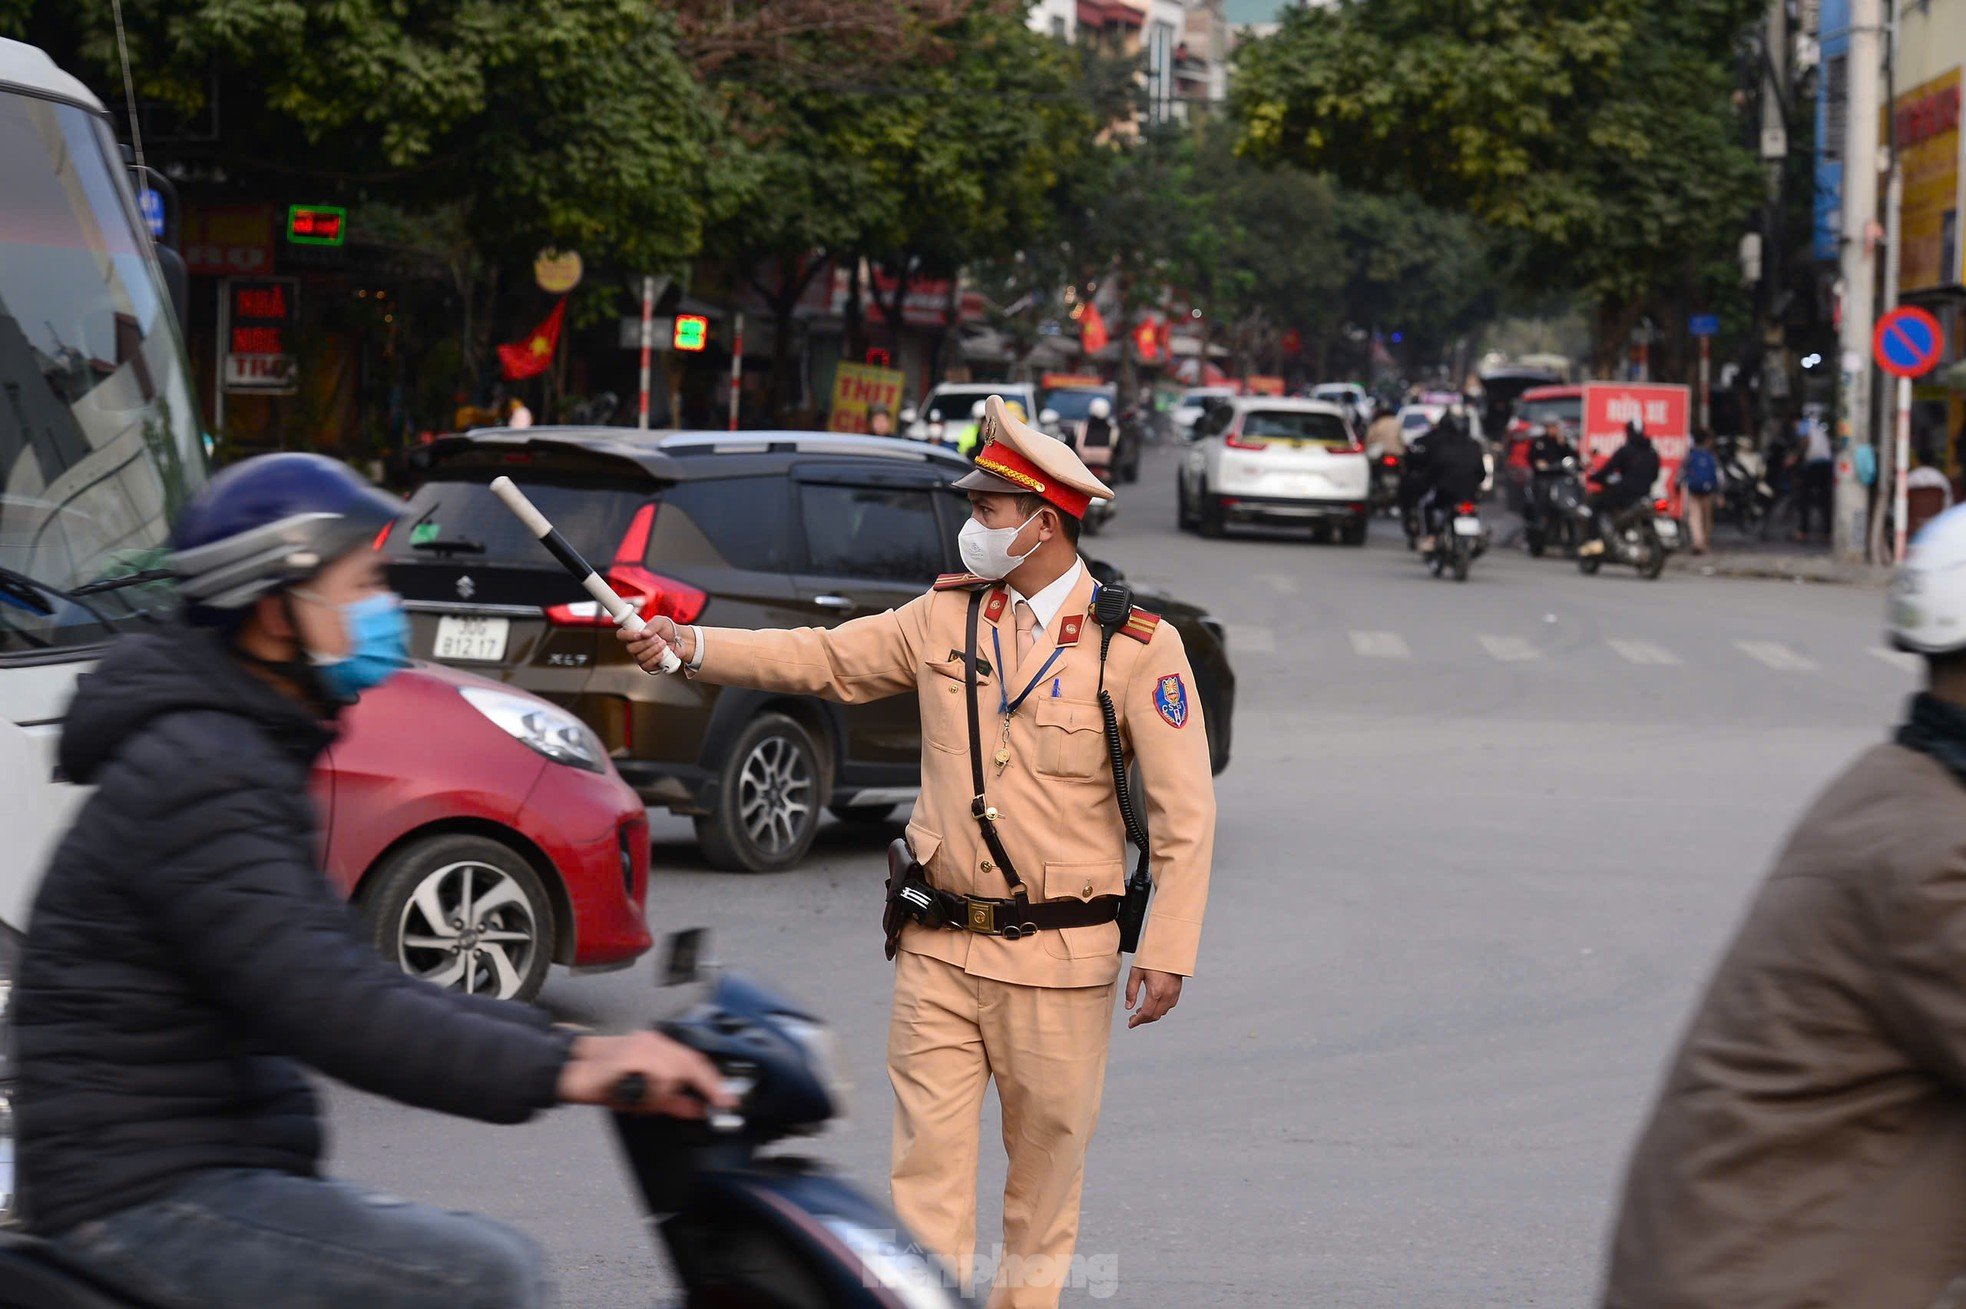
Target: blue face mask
x=379 y=645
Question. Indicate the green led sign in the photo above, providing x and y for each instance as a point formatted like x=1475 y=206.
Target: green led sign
x=317 y=224
x=692 y=332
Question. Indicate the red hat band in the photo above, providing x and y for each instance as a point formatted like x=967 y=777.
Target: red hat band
x=1006 y=463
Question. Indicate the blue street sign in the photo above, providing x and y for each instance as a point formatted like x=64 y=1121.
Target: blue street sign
x=1704 y=325
x=152 y=205
x=1907 y=342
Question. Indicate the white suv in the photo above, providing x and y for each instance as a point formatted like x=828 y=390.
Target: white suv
x=1265 y=459
x=953 y=409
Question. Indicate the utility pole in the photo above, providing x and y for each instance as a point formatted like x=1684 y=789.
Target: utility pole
x=1769 y=252
x=1859 y=275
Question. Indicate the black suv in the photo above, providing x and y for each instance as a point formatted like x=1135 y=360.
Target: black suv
x=748 y=529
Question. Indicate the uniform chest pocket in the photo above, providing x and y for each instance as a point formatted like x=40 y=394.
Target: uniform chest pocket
x=1071 y=740
x=945 y=717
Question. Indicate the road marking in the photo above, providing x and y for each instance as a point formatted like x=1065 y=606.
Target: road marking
x=1281 y=583
x=1510 y=649
x=1643 y=652
x=1777 y=656
x=1380 y=645
x=1904 y=659
x=1250 y=639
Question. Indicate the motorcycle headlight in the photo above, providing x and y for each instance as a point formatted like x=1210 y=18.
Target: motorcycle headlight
x=10 y=950
x=551 y=731
x=822 y=1051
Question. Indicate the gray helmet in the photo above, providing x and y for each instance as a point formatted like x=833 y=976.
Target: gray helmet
x=268 y=523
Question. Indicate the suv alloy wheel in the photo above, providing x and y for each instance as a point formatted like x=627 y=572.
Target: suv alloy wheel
x=769 y=795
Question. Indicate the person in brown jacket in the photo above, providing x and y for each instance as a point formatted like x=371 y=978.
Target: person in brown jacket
x=986 y=998
x=1809 y=1145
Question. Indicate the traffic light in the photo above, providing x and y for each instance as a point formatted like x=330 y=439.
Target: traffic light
x=692 y=332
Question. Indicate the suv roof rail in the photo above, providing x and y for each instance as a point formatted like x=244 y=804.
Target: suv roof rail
x=892 y=447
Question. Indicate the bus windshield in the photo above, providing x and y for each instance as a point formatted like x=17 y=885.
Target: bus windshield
x=99 y=437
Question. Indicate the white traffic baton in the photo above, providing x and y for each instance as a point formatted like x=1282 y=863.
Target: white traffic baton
x=549 y=536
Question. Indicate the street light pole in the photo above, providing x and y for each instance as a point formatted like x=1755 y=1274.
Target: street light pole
x=1859 y=274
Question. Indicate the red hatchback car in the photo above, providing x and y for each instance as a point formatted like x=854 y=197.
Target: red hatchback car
x=483 y=834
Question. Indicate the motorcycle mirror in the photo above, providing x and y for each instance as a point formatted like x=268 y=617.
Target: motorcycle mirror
x=683 y=959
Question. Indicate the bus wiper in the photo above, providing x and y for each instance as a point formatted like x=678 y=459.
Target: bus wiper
x=455 y=545
x=31 y=591
x=121 y=580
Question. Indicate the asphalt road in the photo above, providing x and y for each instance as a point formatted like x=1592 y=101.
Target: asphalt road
x=1479 y=846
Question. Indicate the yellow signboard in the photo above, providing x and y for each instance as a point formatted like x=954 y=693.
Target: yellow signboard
x=1927 y=122
x=857 y=388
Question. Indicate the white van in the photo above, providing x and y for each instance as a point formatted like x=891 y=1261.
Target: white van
x=99 y=446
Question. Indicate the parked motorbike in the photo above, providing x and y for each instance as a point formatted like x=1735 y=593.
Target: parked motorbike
x=1461 y=539
x=1555 y=511
x=744 y=1227
x=1641 y=536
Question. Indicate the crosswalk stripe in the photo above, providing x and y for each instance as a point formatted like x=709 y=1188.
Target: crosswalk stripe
x=1643 y=652
x=1777 y=656
x=1904 y=659
x=1281 y=583
x=1250 y=639
x=1510 y=649
x=1380 y=645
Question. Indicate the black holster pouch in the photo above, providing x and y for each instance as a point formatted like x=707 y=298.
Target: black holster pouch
x=1133 y=907
x=910 y=899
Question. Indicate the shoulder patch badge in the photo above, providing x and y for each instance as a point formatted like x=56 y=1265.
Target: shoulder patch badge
x=959 y=582
x=1140 y=625
x=1171 y=700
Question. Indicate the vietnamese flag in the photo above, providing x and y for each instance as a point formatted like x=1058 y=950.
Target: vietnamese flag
x=530 y=357
x=1092 y=330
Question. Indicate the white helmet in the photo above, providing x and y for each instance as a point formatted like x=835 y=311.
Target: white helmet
x=1100 y=407
x=1928 y=596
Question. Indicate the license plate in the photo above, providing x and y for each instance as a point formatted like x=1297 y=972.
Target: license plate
x=1467 y=527
x=472 y=640
x=1667 y=529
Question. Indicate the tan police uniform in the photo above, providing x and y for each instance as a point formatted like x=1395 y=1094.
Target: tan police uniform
x=1034 y=1013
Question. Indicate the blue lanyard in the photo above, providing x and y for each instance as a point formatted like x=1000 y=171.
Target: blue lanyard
x=1005 y=705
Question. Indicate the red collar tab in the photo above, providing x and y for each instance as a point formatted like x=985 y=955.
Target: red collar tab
x=1068 y=631
x=999 y=599
x=1013 y=467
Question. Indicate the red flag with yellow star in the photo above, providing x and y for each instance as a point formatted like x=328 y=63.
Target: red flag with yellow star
x=530 y=357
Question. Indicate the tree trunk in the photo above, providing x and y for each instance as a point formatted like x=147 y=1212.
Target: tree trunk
x=856 y=314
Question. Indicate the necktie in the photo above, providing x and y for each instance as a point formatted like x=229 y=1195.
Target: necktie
x=1027 y=633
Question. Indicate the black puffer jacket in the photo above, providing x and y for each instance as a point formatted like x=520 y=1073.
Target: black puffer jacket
x=185 y=955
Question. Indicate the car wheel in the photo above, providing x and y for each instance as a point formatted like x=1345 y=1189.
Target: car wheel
x=1212 y=520
x=1184 y=513
x=767 y=799
x=1655 y=563
x=863 y=815
x=466 y=913
x=1354 y=533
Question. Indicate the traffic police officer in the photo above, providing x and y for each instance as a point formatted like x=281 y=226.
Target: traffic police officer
x=980 y=999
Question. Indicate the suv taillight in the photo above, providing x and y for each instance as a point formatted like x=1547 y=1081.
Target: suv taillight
x=651 y=594
x=1237 y=441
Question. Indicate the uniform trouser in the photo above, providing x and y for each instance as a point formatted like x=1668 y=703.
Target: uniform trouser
x=950 y=1034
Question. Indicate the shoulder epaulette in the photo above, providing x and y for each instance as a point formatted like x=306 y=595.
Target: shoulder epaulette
x=1140 y=625
x=960 y=582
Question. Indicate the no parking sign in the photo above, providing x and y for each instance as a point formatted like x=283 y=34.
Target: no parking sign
x=1908 y=342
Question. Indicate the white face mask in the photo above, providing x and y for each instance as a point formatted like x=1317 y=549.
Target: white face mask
x=986 y=550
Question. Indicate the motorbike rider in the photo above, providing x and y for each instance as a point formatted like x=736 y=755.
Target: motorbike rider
x=1547 y=451
x=187 y=957
x=1808 y=1144
x=1624 y=480
x=1453 y=472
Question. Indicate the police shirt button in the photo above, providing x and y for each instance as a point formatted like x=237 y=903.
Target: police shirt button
x=988 y=866
x=1087 y=892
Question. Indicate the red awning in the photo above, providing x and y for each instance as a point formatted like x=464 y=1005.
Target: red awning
x=1102 y=13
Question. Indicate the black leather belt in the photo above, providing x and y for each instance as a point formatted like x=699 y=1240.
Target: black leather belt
x=1012 y=919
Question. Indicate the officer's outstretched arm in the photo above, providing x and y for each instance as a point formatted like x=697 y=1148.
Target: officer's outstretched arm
x=1170 y=744
x=864 y=659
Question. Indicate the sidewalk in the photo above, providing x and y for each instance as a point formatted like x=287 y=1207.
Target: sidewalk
x=1779 y=561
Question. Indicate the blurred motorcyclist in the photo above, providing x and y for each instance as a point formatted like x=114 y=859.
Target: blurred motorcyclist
x=187 y=957
x=1452 y=472
x=1624 y=480
x=1547 y=451
x=1808 y=1144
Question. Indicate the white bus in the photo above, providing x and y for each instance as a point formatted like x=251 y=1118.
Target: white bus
x=99 y=446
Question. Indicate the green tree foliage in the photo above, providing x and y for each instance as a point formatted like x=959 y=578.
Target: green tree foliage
x=1601 y=131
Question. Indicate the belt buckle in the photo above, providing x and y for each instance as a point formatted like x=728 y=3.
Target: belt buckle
x=983 y=917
